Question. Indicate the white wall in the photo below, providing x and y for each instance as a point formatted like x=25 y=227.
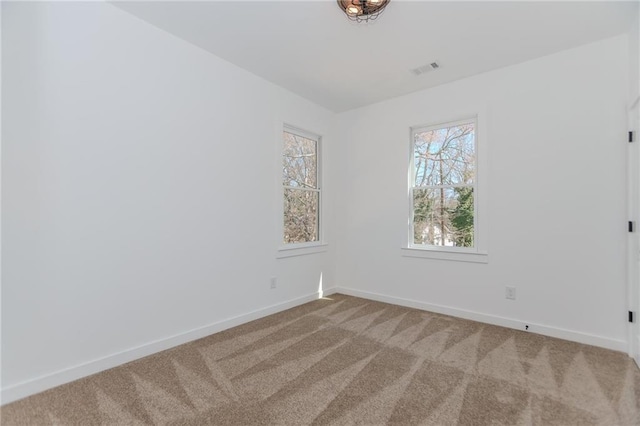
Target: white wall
x=140 y=191
x=140 y=194
x=634 y=185
x=555 y=188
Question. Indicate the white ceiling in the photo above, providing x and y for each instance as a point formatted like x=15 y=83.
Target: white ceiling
x=312 y=49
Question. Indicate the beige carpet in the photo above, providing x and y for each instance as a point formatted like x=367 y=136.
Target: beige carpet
x=344 y=360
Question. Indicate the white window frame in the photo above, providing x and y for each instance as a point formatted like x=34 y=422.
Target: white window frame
x=309 y=247
x=478 y=253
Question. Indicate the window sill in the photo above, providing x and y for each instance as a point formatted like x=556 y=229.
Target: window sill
x=456 y=256
x=285 y=251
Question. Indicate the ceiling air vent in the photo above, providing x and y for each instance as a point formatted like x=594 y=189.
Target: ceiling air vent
x=426 y=68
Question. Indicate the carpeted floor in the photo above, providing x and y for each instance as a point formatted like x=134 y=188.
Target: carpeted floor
x=344 y=360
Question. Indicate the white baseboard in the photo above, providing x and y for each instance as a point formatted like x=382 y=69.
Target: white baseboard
x=574 y=336
x=39 y=384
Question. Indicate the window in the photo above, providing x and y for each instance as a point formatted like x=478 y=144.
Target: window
x=301 y=186
x=443 y=187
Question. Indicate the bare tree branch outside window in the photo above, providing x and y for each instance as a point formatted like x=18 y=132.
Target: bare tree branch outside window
x=301 y=191
x=442 y=192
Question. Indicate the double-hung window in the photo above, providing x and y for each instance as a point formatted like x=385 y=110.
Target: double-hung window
x=301 y=186
x=443 y=187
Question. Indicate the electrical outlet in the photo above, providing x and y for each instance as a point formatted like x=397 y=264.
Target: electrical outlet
x=510 y=293
x=274 y=282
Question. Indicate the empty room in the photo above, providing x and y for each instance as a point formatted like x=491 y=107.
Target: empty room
x=352 y=212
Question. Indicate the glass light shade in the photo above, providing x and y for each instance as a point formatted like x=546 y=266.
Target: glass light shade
x=352 y=10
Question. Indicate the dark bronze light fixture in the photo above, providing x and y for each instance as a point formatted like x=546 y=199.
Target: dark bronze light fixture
x=362 y=10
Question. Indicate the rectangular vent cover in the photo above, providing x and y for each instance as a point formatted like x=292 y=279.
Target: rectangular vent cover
x=426 y=68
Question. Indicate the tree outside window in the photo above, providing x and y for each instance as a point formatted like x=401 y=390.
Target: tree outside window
x=443 y=185
x=300 y=180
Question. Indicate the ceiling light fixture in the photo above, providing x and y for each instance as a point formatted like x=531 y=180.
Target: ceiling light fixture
x=362 y=10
